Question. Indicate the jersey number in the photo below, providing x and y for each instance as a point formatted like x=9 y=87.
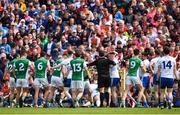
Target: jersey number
x=167 y=65
x=21 y=67
x=77 y=67
x=132 y=64
x=10 y=68
x=40 y=66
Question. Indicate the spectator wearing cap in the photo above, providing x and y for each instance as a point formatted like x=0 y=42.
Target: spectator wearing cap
x=49 y=47
x=5 y=46
x=74 y=39
x=116 y=13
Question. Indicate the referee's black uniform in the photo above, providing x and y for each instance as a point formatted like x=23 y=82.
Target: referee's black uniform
x=102 y=65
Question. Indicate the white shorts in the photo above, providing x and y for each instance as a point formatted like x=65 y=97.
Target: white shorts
x=56 y=81
x=41 y=82
x=77 y=85
x=22 y=83
x=12 y=82
x=87 y=84
x=95 y=93
x=132 y=80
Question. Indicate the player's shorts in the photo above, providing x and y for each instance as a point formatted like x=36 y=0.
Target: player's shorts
x=77 y=85
x=87 y=84
x=22 y=83
x=95 y=93
x=132 y=80
x=154 y=79
x=145 y=82
x=67 y=82
x=41 y=82
x=104 y=82
x=166 y=82
x=56 y=81
x=12 y=82
x=115 y=82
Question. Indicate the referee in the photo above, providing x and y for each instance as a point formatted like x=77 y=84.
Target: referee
x=102 y=65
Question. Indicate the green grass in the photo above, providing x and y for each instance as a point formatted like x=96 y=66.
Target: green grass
x=88 y=111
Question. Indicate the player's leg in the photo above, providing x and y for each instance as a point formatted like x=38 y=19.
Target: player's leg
x=162 y=91
x=141 y=91
x=36 y=95
x=127 y=88
x=156 y=91
x=18 y=92
x=107 y=84
x=12 y=88
x=170 y=84
x=25 y=85
x=114 y=84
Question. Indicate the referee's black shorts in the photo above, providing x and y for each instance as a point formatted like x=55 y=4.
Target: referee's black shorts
x=104 y=82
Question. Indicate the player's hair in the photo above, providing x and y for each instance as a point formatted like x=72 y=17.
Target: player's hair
x=101 y=53
x=77 y=53
x=157 y=52
x=136 y=52
x=43 y=54
x=166 y=50
x=23 y=54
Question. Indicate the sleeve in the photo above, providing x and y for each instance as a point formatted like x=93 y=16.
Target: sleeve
x=111 y=62
x=93 y=63
x=141 y=63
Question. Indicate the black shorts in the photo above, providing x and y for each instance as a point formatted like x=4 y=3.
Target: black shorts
x=104 y=82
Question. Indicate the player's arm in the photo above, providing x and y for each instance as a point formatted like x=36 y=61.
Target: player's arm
x=86 y=69
x=5 y=71
x=143 y=67
x=92 y=63
x=57 y=66
x=64 y=71
x=158 y=73
x=48 y=66
x=175 y=72
x=151 y=66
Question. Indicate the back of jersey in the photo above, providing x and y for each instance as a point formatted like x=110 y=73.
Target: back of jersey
x=77 y=66
x=41 y=68
x=10 y=67
x=167 y=64
x=21 y=68
x=134 y=65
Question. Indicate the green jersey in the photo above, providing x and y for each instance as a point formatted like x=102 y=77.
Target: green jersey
x=41 y=68
x=77 y=66
x=134 y=65
x=21 y=68
x=10 y=66
x=57 y=71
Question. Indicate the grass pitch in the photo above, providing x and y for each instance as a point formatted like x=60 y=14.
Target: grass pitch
x=88 y=111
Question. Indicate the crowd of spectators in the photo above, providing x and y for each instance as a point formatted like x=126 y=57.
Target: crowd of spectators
x=56 y=26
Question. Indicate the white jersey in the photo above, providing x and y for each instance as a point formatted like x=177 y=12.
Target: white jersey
x=167 y=64
x=66 y=64
x=146 y=62
x=114 y=70
x=155 y=62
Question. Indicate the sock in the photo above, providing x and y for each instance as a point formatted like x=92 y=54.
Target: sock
x=123 y=102
x=169 y=99
x=98 y=103
x=107 y=98
x=101 y=99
